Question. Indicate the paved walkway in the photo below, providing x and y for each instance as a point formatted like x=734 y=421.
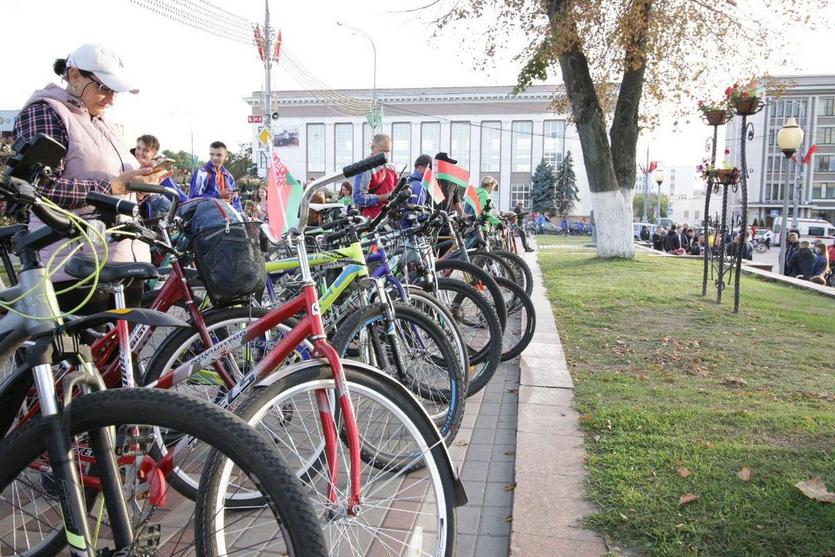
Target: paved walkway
x=549 y=500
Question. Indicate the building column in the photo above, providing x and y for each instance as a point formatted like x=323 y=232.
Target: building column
x=504 y=172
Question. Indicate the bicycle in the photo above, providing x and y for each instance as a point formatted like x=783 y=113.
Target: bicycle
x=86 y=452
x=393 y=452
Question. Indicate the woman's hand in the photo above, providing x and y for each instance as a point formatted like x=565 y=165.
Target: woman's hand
x=118 y=186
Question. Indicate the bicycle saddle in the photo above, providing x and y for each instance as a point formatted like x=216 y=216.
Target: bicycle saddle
x=80 y=267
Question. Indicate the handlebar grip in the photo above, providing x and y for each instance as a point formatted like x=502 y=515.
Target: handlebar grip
x=330 y=238
x=378 y=159
x=146 y=188
x=53 y=220
x=113 y=204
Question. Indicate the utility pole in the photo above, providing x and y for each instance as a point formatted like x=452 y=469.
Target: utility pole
x=268 y=63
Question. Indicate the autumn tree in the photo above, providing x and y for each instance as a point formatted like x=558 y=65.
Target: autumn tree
x=625 y=62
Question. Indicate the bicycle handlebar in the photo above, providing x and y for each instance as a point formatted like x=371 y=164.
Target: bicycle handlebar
x=112 y=204
x=378 y=159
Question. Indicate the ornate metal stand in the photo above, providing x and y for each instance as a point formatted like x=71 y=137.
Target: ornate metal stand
x=709 y=256
x=717 y=261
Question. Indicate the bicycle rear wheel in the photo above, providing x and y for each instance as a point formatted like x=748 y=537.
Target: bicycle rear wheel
x=30 y=519
x=521 y=320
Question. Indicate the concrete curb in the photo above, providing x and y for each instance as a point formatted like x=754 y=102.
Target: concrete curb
x=549 y=500
x=769 y=276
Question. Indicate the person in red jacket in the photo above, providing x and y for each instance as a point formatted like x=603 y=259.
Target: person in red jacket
x=373 y=188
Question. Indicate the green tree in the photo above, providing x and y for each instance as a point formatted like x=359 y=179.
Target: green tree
x=184 y=160
x=239 y=163
x=543 y=184
x=614 y=55
x=566 y=187
x=652 y=203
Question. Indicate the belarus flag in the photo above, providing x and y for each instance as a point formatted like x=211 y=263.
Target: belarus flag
x=812 y=150
x=284 y=195
x=450 y=172
x=430 y=184
x=471 y=199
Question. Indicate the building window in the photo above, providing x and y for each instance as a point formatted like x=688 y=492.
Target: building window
x=367 y=136
x=401 y=145
x=771 y=136
x=459 y=143
x=519 y=192
x=554 y=135
x=343 y=145
x=826 y=163
x=430 y=138
x=696 y=214
x=672 y=189
x=828 y=107
x=491 y=146
x=520 y=146
x=316 y=147
x=826 y=136
x=823 y=190
x=686 y=214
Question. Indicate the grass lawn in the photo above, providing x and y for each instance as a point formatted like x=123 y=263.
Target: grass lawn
x=677 y=395
x=552 y=239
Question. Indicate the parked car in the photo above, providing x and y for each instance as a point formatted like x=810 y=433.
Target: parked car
x=810 y=229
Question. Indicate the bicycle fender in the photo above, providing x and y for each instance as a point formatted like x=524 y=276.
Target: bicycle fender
x=460 y=492
x=12 y=392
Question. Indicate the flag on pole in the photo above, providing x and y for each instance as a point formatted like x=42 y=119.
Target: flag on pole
x=431 y=185
x=450 y=172
x=471 y=199
x=284 y=195
x=277 y=50
x=812 y=150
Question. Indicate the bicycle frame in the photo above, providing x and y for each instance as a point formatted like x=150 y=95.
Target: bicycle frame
x=310 y=328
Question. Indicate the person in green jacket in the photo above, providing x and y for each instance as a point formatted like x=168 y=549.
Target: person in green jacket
x=345 y=192
x=485 y=191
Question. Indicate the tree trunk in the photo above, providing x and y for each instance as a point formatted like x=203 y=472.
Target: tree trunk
x=612 y=204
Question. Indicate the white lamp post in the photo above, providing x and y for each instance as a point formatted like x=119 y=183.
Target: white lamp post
x=789 y=138
x=658 y=176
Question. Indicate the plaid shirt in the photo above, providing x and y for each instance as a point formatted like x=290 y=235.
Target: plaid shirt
x=68 y=193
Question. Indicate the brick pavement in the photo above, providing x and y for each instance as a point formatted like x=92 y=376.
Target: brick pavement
x=484 y=452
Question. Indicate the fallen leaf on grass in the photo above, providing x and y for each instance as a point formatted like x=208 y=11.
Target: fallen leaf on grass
x=682 y=472
x=735 y=381
x=623 y=516
x=816 y=489
x=688 y=498
x=744 y=474
x=620 y=342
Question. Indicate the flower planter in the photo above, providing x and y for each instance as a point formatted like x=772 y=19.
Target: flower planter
x=748 y=106
x=717 y=117
x=727 y=176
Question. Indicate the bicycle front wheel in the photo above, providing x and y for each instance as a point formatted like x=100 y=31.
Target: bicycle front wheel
x=163 y=523
x=407 y=490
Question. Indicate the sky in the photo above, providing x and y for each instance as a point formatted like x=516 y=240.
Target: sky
x=193 y=82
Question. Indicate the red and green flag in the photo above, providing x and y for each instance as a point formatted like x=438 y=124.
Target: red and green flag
x=450 y=172
x=284 y=196
x=471 y=199
x=431 y=185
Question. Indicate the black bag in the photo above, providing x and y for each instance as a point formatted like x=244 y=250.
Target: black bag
x=226 y=251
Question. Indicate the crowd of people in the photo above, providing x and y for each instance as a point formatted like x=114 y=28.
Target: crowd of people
x=680 y=239
x=807 y=261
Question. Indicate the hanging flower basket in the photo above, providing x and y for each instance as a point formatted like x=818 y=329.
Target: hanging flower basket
x=748 y=106
x=718 y=117
x=727 y=176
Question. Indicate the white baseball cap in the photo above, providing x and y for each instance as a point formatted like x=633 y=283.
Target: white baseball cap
x=105 y=65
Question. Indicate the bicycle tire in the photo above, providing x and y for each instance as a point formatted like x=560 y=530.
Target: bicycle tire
x=494 y=265
x=484 y=361
x=519 y=308
x=520 y=267
x=430 y=306
x=377 y=390
x=444 y=396
x=222 y=430
x=480 y=280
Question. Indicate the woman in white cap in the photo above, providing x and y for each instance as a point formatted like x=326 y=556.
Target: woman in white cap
x=96 y=159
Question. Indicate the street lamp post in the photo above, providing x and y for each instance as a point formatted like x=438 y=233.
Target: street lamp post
x=374 y=60
x=658 y=176
x=789 y=138
x=646 y=187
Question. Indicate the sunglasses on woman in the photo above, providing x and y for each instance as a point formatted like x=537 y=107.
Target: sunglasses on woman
x=103 y=89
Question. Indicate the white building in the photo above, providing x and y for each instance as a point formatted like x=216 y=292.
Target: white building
x=811 y=100
x=488 y=131
x=685 y=193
